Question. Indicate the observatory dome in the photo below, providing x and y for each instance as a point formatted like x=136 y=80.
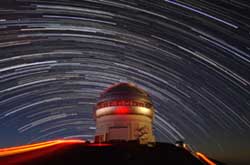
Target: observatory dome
x=120 y=95
x=124 y=112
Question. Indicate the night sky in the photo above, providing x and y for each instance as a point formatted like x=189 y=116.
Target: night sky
x=191 y=56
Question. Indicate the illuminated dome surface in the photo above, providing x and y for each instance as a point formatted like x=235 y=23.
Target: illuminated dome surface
x=127 y=97
x=125 y=91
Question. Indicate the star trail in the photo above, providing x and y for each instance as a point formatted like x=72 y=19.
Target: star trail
x=191 y=56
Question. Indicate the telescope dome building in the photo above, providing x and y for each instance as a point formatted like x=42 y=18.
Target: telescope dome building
x=124 y=112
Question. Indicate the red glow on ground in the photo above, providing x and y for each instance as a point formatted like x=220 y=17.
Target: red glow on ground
x=99 y=144
x=204 y=158
x=27 y=153
x=35 y=146
x=122 y=110
x=30 y=152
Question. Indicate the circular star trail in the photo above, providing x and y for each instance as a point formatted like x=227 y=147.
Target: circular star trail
x=192 y=57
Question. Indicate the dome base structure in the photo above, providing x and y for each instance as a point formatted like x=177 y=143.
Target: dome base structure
x=124 y=128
